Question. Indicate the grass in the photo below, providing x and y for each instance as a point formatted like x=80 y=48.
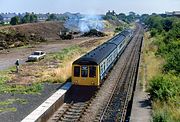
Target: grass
x=151 y=65
x=4 y=104
x=11 y=101
x=166 y=106
x=67 y=53
x=165 y=112
x=12 y=109
x=63 y=71
x=25 y=46
x=14 y=88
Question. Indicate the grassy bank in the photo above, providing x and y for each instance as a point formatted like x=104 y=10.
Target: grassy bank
x=164 y=85
x=164 y=88
x=150 y=63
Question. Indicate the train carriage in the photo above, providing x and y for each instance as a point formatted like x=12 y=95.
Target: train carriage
x=90 y=69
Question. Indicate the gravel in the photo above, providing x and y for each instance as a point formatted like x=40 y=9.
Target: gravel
x=33 y=101
x=97 y=105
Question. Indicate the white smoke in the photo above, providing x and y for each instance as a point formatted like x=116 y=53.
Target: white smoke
x=84 y=23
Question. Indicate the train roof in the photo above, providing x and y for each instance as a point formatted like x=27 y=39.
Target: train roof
x=118 y=40
x=120 y=37
x=126 y=32
x=95 y=56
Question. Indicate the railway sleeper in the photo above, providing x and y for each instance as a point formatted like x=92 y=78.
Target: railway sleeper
x=71 y=116
x=68 y=120
x=75 y=111
x=78 y=106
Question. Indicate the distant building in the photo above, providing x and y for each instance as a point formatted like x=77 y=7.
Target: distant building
x=42 y=17
x=174 y=13
x=5 y=18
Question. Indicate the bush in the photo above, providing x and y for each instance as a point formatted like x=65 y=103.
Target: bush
x=164 y=87
x=173 y=62
x=153 y=32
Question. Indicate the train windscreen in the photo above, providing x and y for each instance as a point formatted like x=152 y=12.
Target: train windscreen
x=77 y=71
x=84 y=71
x=92 y=71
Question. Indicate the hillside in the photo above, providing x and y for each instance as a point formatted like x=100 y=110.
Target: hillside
x=20 y=35
x=43 y=29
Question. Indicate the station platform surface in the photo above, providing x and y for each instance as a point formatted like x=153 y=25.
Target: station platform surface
x=141 y=108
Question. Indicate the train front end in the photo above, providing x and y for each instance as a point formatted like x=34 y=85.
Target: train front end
x=85 y=73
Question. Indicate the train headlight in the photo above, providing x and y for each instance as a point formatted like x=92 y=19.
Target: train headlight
x=75 y=82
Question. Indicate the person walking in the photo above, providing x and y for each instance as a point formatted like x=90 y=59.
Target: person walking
x=17 y=65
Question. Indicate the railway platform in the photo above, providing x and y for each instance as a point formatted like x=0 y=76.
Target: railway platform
x=141 y=108
x=43 y=111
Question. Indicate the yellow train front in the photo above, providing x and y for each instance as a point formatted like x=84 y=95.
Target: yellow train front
x=85 y=74
x=91 y=69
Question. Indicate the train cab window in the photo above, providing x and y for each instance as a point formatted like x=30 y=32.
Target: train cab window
x=92 y=71
x=84 y=71
x=77 y=71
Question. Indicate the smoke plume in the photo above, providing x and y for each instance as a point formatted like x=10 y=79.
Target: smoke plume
x=84 y=23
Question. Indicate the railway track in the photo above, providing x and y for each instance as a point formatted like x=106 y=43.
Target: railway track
x=75 y=105
x=79 y=101
x=117 y=104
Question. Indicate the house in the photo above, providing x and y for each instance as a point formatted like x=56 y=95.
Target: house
x=42 y=17
x=174 y=13
x=5 y=18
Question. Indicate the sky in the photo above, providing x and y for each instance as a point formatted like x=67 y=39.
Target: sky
x=89 y=6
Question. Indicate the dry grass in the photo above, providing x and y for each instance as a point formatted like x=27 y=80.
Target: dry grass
x=151 y=65
x=166 y=110
x=60 y=74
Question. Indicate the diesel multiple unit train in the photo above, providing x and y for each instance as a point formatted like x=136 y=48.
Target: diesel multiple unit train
x=92 y=68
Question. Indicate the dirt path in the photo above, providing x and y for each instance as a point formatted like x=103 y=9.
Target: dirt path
x=8 y=57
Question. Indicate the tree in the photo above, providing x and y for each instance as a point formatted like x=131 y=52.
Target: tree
x=15 y=20
x=29 y=18
x=111 y=15
x=167 y=24
x=122 y=16
x=26 y=18
x=52 y=17
x=33 y=18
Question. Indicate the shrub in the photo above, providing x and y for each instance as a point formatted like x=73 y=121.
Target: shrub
x=173 y=62
x=164 y=87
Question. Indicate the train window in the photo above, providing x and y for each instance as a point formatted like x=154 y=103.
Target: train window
x=84 y=71
x=101 y=68
x=77 y=71
x=104 y=66
x=92 y=71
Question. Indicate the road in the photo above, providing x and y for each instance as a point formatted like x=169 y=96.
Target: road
x=8 y=57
